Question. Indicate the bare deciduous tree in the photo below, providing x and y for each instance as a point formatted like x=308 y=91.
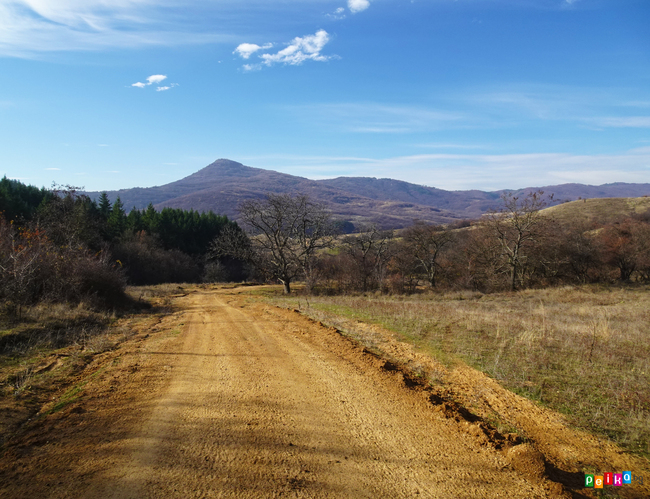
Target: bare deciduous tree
x=369 y=252
x=516 y=226
x=425 y=243
x=285 y=233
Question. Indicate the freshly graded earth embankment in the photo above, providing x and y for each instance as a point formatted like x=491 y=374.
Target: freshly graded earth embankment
x=230 y=397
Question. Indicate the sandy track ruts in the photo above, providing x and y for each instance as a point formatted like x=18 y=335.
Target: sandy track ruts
x=250 y=402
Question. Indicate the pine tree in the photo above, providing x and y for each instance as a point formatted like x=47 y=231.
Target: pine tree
x=134 y=220
x=117 y=219
x=104 y=205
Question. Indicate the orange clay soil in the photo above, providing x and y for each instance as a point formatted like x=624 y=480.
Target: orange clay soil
x=228 y=397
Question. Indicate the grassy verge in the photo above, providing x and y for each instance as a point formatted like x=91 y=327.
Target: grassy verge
x=584 y=352
x=42 y=354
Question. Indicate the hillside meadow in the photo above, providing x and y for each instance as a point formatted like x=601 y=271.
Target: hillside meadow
x=598 y=211
x=583 y=351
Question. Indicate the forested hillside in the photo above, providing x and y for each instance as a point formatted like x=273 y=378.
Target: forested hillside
x=59 y=245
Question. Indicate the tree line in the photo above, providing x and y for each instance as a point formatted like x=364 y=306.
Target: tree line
x=59 y=245
x=518 y=246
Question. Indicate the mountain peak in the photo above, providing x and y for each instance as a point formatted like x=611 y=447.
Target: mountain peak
x=225 y=163
x=223 y=168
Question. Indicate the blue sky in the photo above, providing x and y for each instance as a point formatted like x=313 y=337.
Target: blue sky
x=455 y=94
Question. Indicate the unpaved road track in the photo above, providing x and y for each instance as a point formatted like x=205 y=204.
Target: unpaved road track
x=249 y=401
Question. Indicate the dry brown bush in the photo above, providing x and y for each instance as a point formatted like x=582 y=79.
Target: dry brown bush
x=34 y=269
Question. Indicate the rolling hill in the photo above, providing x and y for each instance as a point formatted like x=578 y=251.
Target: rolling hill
x=600 y=211
x=222 y=185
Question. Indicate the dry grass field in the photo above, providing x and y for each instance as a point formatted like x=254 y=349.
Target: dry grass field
x=583 y=351
x=598 y=210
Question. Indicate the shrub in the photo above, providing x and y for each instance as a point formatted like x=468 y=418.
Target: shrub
x=34 y=269
x=146 y=262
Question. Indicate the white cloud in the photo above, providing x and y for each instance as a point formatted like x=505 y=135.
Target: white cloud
x=300 y=50
x=358 y=5
x=155 y=79
x=150 y=81
x=53 y=169
x=245 y=50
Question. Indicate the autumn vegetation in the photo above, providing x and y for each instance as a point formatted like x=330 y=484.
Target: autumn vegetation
x=552 y=304
x=58 y=245
x=517 y=247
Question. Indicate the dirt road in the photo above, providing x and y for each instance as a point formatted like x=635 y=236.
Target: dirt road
x=233 y=398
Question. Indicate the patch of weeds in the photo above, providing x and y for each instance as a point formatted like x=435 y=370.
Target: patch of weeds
x=68 y=397
x=21 y=380
x=497 y=422
x=73 y=394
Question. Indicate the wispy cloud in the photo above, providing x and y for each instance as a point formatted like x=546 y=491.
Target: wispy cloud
x=358 y=5
x=299 y=50
x=338 y=14
x=167 y=87
x=595 y=107
x=621 y=121
x=476 y=171
x=53 y=169
x=451 y=146
x=30 y=27
x=372 y=117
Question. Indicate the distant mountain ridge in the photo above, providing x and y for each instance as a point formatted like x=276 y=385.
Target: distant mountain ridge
x=222 y=185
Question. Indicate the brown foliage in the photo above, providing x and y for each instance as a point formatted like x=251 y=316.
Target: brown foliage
x=146 y=262
x=33 y=269
x=626 y=247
